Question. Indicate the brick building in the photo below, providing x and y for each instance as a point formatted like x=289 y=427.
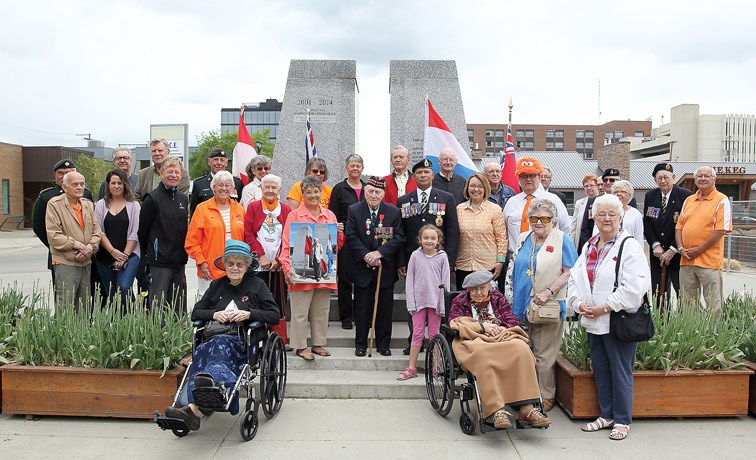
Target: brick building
x=11 y=183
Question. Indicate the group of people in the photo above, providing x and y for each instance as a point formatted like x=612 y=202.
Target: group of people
x=519 y=257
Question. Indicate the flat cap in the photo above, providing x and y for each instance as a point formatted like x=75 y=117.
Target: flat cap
x=477 y=279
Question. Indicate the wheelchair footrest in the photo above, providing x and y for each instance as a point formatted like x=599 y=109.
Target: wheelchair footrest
x=212 y=398
x=170 y=423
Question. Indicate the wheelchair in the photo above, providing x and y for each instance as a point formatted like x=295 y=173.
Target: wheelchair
x=442 y=370
x=266 y=354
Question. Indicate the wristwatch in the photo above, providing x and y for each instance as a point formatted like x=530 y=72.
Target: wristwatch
x=606 y=308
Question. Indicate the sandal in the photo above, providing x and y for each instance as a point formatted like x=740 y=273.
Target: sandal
x=619 y=432
x=306 y=355
x=598 y=424
x=321 y=352
x=535 y=418
x=407 y=374
x=501 y=420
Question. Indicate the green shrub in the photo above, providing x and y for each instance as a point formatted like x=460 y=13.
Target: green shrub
x=12 y=302
x=688 y=338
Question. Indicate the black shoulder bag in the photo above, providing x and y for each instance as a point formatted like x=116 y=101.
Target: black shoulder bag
x=630 y=327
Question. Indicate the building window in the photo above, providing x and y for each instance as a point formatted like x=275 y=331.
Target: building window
x=529 y=145
x=499 y=144
x=579 y=134
x=529 y=133
x=559 y=145
x=6 y=196
x=589 y=145
x=549 y=134
x=489 y=143
x=499 y=133
x=578 y=145
x=559 y=134
x=549 y=145
x=520 y=133
x=618 y=134
x=588 y=155
x=470 y=133
x=639 y=134
x=489 y=133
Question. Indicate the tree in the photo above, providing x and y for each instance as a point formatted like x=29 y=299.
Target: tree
x=94 y=171
x=226 y=141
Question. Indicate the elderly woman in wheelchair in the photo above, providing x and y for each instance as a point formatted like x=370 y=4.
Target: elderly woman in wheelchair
x=491 y=345
x=229 y=330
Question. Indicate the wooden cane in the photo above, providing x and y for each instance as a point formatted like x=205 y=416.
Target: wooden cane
x=375 y=310
x=662 y=288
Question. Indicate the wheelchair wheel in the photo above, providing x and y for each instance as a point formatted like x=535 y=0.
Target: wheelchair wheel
x=439 y=375
x=180 y=433
x=273 y=375
x=248 y=425
x=467 y=423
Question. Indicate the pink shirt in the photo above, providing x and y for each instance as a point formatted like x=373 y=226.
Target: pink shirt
x=301 y=214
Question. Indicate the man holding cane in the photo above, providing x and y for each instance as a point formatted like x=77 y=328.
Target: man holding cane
x=374 y=234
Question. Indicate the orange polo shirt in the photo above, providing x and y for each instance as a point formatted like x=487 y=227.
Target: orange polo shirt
x=295 y=193
x=698 y=219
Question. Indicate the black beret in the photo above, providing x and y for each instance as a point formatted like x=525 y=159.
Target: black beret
x=216 y=153
x=662 y=167
x=424 y=163
x=610 y=172
x=65 y=163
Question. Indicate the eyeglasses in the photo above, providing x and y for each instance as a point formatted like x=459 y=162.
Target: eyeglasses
x=528 y=176
x=590 y=185
x=318 y=171
x=543 y=219
x=604 y=215
x=481 y=288
x=119 y=159
x=224 y=185
x=264 y=168
x=703 y=176
x=476 y=186
x=610 y=179
x=235 y=264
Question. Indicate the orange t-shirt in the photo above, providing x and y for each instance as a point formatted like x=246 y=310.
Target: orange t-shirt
x=295 y=193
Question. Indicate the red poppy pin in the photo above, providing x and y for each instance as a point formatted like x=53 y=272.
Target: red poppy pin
x=245 y=298
x=549 y=248
x=380 y=216
x=614 y=259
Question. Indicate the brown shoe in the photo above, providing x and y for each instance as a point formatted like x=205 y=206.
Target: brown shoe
x=548 y=404
x=186 y=414
x=535 y=418
x=501 y=420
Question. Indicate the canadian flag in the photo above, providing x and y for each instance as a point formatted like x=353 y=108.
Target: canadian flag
x=244 y=151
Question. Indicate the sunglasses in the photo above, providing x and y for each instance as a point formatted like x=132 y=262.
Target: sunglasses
x=235 y=264
x=528 y=176
x=318 y=171
x=543 y=219
x=610 y=179
x=263 y=168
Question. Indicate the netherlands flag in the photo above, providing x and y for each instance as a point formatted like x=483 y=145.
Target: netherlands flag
x=508 y=162
x=244 y=151
x=438 y=137
x=310 y=151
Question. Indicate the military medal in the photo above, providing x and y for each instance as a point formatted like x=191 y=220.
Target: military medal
x=439 y=220
x=380 y=220
x=367 y=226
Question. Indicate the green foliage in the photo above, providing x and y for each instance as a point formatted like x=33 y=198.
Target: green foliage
x=741 y=309
x=226 y=141
x=94 y=171
x=12 y=302
x=111 y=338
x=689 y=338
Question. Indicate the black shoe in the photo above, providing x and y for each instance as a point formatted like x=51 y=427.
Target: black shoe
x=360 y=352
x=346 y=325
x=203 y=380
x=186 y=414
x=406 y=351
x=384 y=352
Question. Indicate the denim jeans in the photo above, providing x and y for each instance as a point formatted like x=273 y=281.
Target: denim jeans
x=120 y=281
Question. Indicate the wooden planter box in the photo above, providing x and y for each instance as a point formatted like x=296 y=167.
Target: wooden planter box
x=52 y=390
x=677 y=394
x=752 y=388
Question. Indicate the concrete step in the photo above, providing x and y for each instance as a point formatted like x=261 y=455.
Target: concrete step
x=344 y=338
x=344 y=359
x=352 y=384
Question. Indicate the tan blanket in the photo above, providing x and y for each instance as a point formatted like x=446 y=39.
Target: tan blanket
x=503 y=365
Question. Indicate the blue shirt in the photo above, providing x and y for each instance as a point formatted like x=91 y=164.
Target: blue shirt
x=522 y=283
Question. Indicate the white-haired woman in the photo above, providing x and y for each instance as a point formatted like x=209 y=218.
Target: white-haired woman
x=237 y=297
x=632 y=221
x=592 y=295
x=542 y=258
x=213 y=222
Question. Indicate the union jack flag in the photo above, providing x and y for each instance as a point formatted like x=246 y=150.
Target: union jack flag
x=508 y=160
x=309 y=142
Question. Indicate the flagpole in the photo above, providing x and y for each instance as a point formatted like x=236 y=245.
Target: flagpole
x=510 y=110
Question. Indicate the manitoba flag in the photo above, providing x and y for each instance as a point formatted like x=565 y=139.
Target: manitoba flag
x=508 y=162
x=244 y=151
x=438 y=137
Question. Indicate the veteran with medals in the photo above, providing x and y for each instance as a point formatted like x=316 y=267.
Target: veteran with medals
x=375 y=238
x=426 y=205
x=661 y=209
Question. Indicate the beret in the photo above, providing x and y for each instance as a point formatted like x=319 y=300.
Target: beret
x=477 y=279
x=64 y=164
x=376 y=182
x=662 y=167
x=424 y=163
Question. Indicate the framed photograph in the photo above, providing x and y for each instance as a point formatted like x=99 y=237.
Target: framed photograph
x=313 y=252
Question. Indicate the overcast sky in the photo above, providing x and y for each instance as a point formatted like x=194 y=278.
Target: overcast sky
x=112 y=68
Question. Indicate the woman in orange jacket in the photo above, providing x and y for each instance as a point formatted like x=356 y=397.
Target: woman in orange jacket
x=213 y=222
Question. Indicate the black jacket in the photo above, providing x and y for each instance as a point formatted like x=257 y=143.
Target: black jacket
x=163 y=223
x=412 y=223
x=455 y=186
x=660 y=227
x=251 y=295
x=361 y=239
x=343 y=196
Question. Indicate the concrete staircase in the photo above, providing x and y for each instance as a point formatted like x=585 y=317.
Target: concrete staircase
x=346 y=376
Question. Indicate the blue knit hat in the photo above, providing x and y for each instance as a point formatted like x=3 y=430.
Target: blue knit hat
x=234 y=248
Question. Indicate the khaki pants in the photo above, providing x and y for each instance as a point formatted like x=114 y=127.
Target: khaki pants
x=72 y=287
x=545 y=340
x=695 y=279
x=313 y=306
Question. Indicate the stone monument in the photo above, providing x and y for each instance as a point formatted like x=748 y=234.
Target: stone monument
x=409 y=83
x=328 y=88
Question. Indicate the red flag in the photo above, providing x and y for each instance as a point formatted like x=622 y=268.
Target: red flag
x=308 y=245
x=508 y=163
x=244 y=151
